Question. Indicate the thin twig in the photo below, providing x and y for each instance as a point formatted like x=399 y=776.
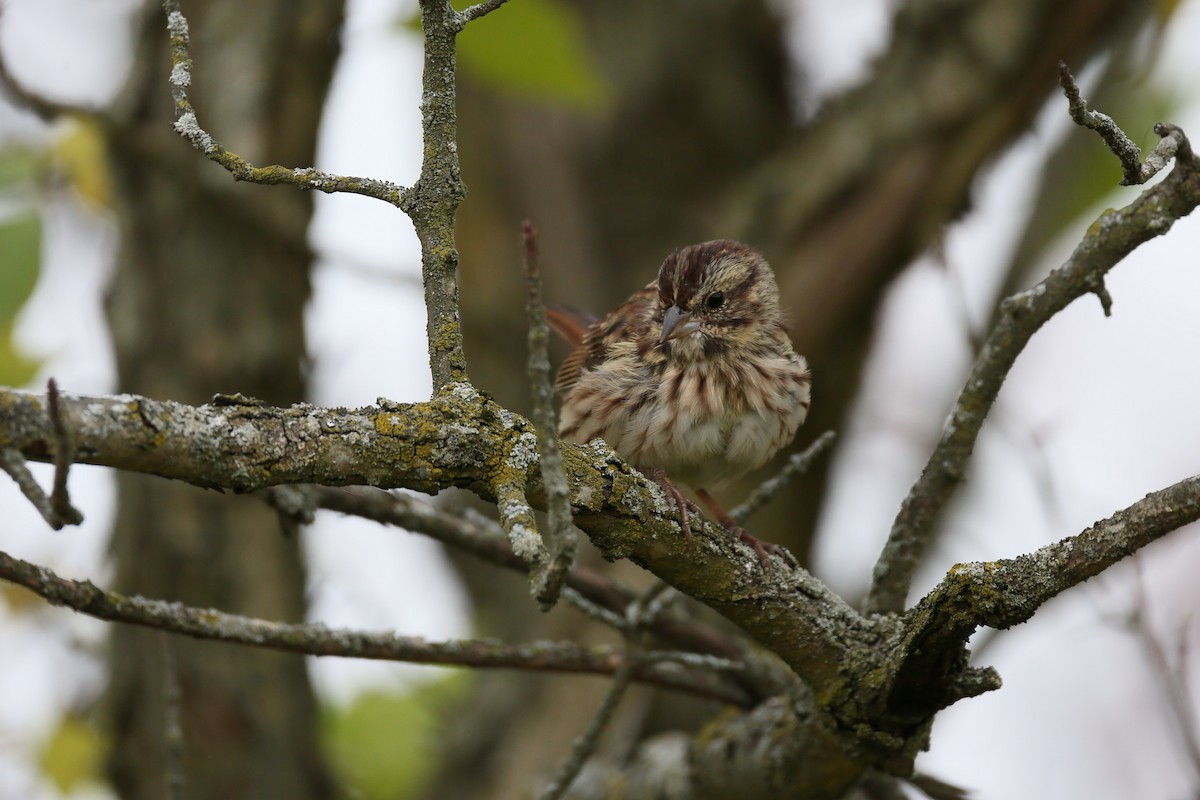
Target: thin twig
x=1172 y=681
x=797 y=465
x=64 y=454
x=12 y=462
x=1115 y=235
x=476 y=11
x=593 y=610
x=585 y=745
x=639 y=615
x=601 y=595
x=1135 y=171
x=1128 y=153
x=315 y=639
x=520 y=525
x=559 y=534
x=172 y=726
x=188 y=126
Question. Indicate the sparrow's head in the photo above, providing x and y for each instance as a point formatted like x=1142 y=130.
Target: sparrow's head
x=716 y=294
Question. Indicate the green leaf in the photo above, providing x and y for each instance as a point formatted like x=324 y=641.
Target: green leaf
x=532 y=48
x=383 y=744
x=20 y=247
x=20 y=253
x=20 y=165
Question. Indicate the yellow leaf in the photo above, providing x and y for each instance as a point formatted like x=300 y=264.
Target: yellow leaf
x=73 y=755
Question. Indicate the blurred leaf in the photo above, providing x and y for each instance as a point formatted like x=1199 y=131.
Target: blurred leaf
x=533 y=48
x=15 y=369
x=382 y=744
x=20 y=246
x=18 y=599
x=81 y=154
x=20 y=165
x=74 y=755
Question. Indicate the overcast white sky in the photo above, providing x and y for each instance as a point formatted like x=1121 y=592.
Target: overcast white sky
x=1080 y=714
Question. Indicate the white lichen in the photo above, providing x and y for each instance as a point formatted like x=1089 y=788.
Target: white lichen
x=177 y=24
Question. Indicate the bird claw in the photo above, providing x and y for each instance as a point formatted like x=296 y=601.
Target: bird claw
x=682 y=504
x=762 y=548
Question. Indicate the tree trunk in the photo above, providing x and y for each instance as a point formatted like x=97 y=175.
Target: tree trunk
x=208 y=296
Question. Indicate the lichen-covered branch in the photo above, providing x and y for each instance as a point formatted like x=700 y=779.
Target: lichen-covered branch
x=435 y=197
x=478 y=10
x=1134 y=171
x=1000 y=594
x=461 y=438
x=1112 y=237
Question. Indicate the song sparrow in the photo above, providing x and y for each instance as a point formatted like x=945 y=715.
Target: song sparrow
x=692 y=379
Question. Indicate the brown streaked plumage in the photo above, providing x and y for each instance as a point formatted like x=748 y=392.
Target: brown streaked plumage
x=691 y=379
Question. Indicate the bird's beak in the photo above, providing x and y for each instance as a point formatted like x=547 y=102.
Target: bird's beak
x=676 y=323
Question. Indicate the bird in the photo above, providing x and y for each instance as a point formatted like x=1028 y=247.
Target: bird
x=693 y=379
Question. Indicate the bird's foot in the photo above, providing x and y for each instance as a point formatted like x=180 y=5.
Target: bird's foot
x=762 y=549
x=682 y=504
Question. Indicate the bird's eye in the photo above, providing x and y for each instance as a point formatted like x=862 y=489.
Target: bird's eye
x=715 y=300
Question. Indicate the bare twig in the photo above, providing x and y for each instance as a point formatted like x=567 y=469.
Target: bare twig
x=55 y=509
x=12 y=462
x=1128 y=153
x=585 y=745
x=638 y=615
x=64 y=454
x=1173 y=681
x=172 y=727
x=189 y=127
x=517 y=519
x=1115 y=235
x=797 y=465
x=315 y=639
x=597 y=594
x=1135 y=172
x=476 y=11
x=559 y=535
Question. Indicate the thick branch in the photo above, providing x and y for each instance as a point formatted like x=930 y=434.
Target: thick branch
x=461 y=438
x=1112 y=237
x=1000 y=594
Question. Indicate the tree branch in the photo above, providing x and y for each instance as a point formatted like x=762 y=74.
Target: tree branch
x=461 y=438
x=318 y=640
x=434 y=200
x=1129 y=154
x=485 y=539
x=1000 y=594
x=188 y=126
x=1112 y=237
x=558 y=535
